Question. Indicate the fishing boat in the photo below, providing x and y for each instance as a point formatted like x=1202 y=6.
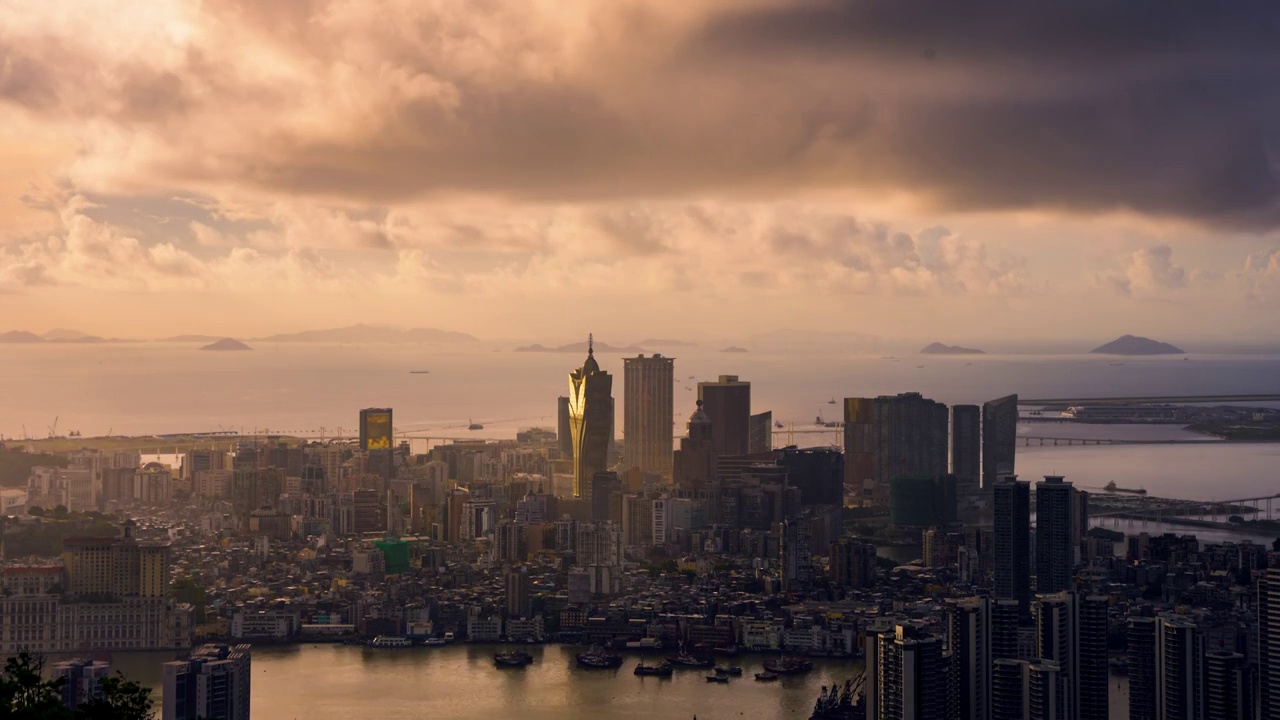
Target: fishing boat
x=661 y=670
x=435 y=642
x=731 y=671
x=684 y=659
x=390 y=641
x=599 y=660
x=766 y=676
x=788 y=666
x=512 y=659
x=717 y=679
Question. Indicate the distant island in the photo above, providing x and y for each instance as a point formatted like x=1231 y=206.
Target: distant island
x=20 y=336
x=940 y=349
x=226 y=345
x=191 y=338
x=734 y=349
x=57 y=335
x=1135 y=345
x=362 y=333
x=579 y=347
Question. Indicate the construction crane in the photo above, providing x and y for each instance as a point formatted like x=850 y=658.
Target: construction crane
x=53 y=429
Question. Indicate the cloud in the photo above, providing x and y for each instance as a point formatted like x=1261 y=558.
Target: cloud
x=1157 y=107
x=1151 y=270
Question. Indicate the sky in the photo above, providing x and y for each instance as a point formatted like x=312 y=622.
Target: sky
x=541 y=168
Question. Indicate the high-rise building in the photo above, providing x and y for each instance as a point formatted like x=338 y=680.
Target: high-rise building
x=606 y=491
x=853 y=563
x=518 y=593
x=637 y=520
x=893 y=436
x=999 y=438
x=1269 y=644
x=966 y=446
x=1005 y=618
x=213 y=683
x=196 y=460
x=82 y=680
x=564 y=429
x=1179 y=669
x=1055 y=528
x=1008 y=689
x=969 y=645
x=761 y=432
x=590 y=421
x=1091 y=670
x=116 y=566
x=1228 y=692
x=728 y=403
x=1142 y=632
x=1012 y=530
x=649 y=384
x=695 y=461
x=907 y=672
x=1048 y=697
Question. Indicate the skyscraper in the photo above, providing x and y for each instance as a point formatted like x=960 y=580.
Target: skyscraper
x=1055 y=529
x=695 y=461
x=893 y=436
x=1047 y=694
x=969 y=644
x=728 y=403
x=213 y=683
x=1142 y=668
x=761 y=432
x=1228 y=693
x=1179 y=669
x=564 y=429
x=1091 y=670
x=1012 y=500
x=999 y=438
x=1008 y=689
x=1269 y=644
x=966 y=446
x=590 y=421
x=907 y=672
x=518 y=603
x=649 y=383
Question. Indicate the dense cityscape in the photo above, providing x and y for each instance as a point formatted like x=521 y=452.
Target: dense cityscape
x=660 y=553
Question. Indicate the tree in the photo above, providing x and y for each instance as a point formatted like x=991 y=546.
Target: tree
x=60 y=511
x=121 y=699
x=35 y=511
x=26 y=695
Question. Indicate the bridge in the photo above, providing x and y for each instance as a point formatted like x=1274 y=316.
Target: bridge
x=1150 y=400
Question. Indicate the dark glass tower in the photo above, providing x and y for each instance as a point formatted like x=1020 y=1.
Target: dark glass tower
x=1012 y=542
x=590 y=421
x=1055 y=530
x=966 y=446
x=999 y=438
x=728 y=403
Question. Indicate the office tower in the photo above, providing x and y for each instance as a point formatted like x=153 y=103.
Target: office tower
x=818 y=473
x=637 y=520
x=510 y=542
x=1080 y=525
x=1005 y=618
x=213 y=683
x=369 y=511
x=893 y=436
x=999 y=438
x=728 y=403
x=907 y=672
x=82 y=680
x=590 y=421
x=196 y=460
x=1008 y=689
x=966 y=446
x=1269 y=644
x=377 y=440
x=518 y=593
x=1055 y=634
x=564 y=430
x=604 y=485
x=1142 y=668
x=969 y=644
x=853 y=563
x=1055 y=527
x=649 y=383
x=695 y=461
x=1012 y=503
x=1090 y=669
x=1179 y=670
x=1047 y=691
x=922 y=501
x=1228 y=692
x=761 y=432
x=116 y=566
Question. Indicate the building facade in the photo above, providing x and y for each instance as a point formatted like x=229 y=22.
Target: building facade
x=727 y=402
x=649 y=385
x=590 y=421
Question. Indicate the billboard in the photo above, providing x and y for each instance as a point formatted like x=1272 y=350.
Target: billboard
x=375 y=429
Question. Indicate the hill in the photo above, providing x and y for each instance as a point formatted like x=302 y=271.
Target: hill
x=734 y=349
x=940 y=349
x=226 y=345
x=665 y=342
x=580 y=347
x=362 y=333
x=20 y=336
x=191 y=338
x=1135 y=345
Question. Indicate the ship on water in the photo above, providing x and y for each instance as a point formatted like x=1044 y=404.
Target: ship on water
x=514 y=659
x=788 y=666
x=599 y=660
x=663 y=669
x=1111 y=487
x=684 y=659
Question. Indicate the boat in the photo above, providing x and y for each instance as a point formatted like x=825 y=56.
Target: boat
x=391 y=641
x=599 y=660
x=766 y=676
x=419 y=372
x=788 y=666
x=686 y=660
x=731 y=671
x=779 y=425
x=512 y=659
x=435 y=642
x=663 y=669
x=475 y=426
x=645 y=644
x=717 y=679
x=1111 y=487
x=832 y=401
